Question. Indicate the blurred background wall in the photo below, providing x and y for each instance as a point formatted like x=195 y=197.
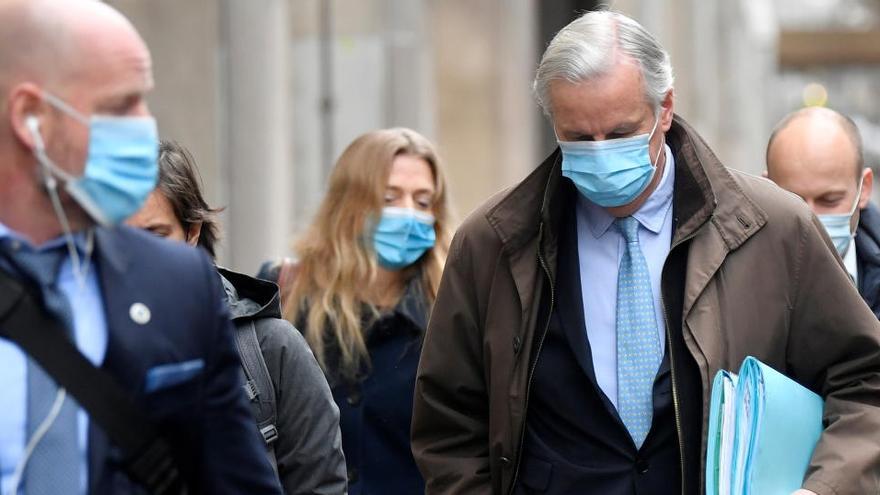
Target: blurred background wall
x=267 y=93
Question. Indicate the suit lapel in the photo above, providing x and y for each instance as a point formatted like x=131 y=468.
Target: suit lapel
x=571 y=307
x=112 y=262
x=571 y=310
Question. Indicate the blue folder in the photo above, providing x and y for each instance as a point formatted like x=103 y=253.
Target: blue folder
x=722 y=416
x=775 y=424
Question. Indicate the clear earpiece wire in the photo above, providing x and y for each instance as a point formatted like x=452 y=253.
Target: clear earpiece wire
x=49 y=170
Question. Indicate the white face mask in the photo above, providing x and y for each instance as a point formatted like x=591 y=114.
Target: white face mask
x=839 y=225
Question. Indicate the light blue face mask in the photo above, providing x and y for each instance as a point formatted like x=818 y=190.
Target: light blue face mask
x=839 y=226
x=613 y=172
x=121 y=168
x=402 y=236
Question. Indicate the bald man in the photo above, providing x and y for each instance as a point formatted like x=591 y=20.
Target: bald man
x=77 y=156
x=817 y=154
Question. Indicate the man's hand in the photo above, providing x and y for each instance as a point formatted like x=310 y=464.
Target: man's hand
x=803 y=492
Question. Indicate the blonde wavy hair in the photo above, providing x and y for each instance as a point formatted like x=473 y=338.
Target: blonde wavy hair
x=336 y=259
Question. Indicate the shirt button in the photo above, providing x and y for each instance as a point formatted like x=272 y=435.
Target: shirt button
x=517 y=344
x=354 y=398
x=642 y=466
x=15 y=245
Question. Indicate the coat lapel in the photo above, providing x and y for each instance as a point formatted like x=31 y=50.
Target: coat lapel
x=710 y=210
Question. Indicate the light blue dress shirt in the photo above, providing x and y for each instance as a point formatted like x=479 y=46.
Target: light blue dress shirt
x=90 y=329
x=600 y=248
x=851 y=263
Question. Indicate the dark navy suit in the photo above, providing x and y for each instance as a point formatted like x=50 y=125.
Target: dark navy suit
x=575 y=443
x=202 y=412
x=868 y=256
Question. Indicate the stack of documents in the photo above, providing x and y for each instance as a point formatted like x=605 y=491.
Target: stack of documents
x=763 y=427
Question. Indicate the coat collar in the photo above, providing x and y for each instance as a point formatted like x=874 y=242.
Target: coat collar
x=249 y=297
x=413 y=305
x=706 y=190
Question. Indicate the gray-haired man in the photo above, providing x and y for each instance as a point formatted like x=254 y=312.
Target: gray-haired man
x=583 y=313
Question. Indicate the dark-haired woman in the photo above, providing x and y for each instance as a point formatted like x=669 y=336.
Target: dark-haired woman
x=304 y=439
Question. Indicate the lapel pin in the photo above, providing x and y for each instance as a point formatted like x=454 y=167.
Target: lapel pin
x=139 y=313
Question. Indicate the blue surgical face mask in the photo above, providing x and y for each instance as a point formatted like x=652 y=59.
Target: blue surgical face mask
x=613 y=172
x=121 y=168
x=402 y=236
x=839 y=226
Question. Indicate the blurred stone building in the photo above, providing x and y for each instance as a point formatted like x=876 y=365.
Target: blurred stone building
x=267 y=93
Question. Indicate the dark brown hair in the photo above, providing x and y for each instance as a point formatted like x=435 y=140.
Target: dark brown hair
x=180 y=183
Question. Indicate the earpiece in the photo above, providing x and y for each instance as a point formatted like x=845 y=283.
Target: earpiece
x=33 y=124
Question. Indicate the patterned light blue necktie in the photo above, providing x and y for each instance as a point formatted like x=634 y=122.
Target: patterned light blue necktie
x=638 y=344
x=54 y=466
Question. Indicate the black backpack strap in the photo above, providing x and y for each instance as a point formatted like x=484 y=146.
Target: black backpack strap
x=258 y=384
x=148 y=458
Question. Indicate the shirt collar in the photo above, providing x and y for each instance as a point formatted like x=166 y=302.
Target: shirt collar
x=652 y=213
x=7 y=233
x=850 y=262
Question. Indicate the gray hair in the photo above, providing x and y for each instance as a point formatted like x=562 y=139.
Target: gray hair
x=586 y=49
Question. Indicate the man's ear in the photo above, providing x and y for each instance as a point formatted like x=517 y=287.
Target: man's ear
x=192 y=235
x=867 y=187
x=667 y=110
x=26 y=106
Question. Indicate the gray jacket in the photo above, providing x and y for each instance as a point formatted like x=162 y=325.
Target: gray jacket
x=309 y=445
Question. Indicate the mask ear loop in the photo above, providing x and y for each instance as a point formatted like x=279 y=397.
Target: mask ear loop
x=852 y=211
x=80 y=266
x=657 y=158
x=65 y=107
x=650 y=136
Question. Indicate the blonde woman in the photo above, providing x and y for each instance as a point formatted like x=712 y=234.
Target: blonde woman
x=366 y=276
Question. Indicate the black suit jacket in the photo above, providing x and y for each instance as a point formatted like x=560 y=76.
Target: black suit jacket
x=201 y=410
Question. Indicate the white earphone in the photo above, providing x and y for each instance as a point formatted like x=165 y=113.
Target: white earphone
x=33 y=125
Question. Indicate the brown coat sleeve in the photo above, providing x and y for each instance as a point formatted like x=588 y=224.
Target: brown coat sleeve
x=834 y=347
x=450 y=424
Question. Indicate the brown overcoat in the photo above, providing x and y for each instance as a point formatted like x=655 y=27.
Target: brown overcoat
x=755 y=275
